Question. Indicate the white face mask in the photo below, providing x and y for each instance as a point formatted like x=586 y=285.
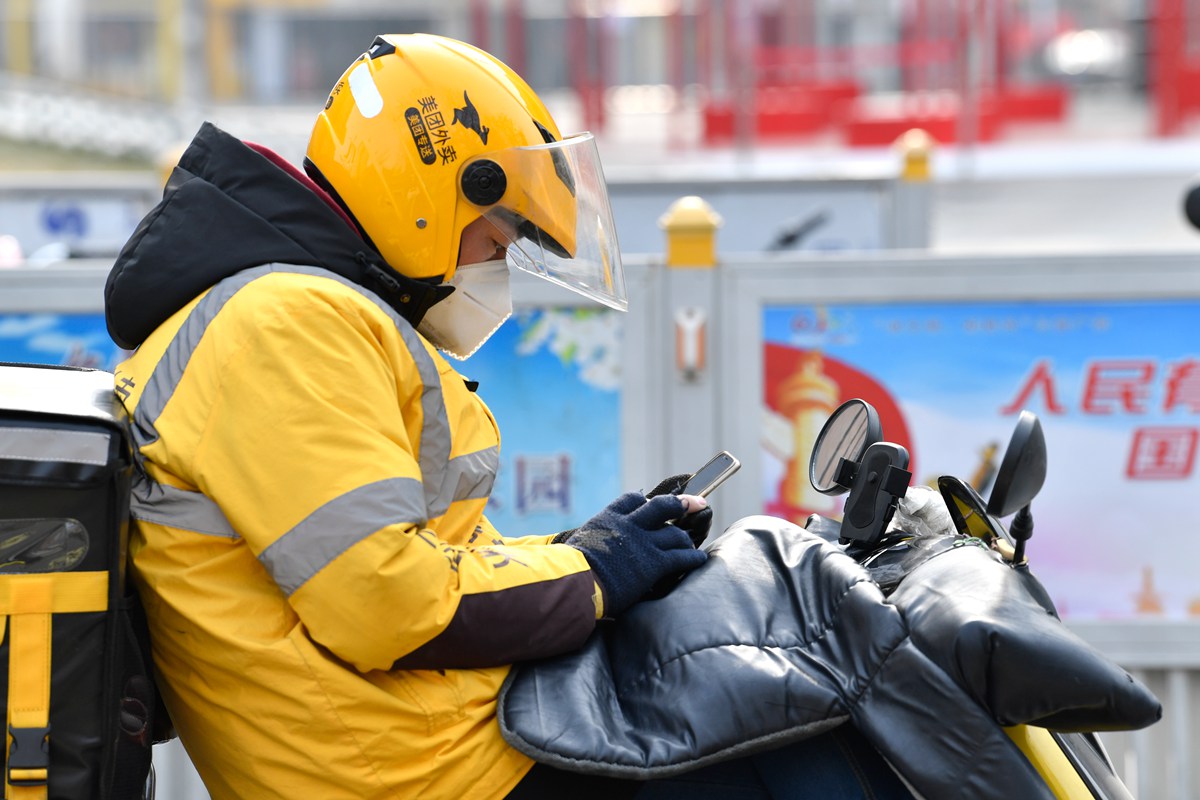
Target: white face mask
x=460 y=324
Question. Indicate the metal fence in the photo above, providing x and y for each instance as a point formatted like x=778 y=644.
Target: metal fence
x=1156 y=763
x=673 y=414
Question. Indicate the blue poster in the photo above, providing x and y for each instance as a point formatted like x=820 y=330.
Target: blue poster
x=78 y=340
x=1116 y=386
x=552 y=380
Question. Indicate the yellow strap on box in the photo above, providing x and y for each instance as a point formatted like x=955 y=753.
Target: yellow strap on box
x=70 y=592
x=30 y=601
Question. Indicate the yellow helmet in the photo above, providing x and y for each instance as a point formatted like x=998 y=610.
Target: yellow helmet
x=423 y=135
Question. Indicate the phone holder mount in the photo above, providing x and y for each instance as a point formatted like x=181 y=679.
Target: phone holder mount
x=876 y=485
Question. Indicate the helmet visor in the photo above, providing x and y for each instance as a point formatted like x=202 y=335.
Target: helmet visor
x=556 y=217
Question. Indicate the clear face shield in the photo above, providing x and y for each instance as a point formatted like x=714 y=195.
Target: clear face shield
x=556 y=218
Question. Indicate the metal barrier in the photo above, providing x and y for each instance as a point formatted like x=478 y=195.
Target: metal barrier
x=1164 y=652
x=84 y=215
x=701 y=360
x=775 y=207
x=1156 y=763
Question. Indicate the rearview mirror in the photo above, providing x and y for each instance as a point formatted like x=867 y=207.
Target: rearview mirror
x=846 y=435
x=1023 y=469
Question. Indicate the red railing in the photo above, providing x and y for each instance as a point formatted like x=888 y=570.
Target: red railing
x=785 y=71
x=1174 y=69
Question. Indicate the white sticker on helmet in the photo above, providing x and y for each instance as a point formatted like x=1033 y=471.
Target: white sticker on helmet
x=365 y=92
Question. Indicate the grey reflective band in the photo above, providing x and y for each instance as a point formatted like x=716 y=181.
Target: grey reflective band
x=40 y=444
x=154 y=502
x=346 y=520
x=169 y=370
x=338 y=525
x=468 y=477
x=434 y=449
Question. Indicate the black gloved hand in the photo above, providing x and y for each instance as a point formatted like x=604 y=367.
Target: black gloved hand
x=630 y=547
x=697 y=524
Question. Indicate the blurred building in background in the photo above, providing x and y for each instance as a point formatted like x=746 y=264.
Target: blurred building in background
x=128 y=76
x=1045 y=228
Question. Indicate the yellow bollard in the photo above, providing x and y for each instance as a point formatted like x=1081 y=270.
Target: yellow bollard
x=691 y=225
x=916 y=148
x=167 y=161
x=169 y=50
x=19 y=37
x=912 y=192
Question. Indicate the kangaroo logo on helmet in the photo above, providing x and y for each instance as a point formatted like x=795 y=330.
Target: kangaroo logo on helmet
x=468 y=117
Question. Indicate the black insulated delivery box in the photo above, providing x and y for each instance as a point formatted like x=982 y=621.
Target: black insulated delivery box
x=75 y=685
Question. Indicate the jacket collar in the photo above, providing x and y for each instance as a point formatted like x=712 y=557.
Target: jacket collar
x=229 y=206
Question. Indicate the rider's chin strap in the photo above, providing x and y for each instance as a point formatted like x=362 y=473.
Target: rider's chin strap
x=28 y=602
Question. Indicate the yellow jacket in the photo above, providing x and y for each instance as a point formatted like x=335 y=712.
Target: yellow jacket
x=330 y=609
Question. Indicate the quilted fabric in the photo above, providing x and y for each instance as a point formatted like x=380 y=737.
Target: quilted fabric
x=780 y=635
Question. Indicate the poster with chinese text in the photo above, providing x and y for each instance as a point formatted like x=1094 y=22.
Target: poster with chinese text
x=552 y=378
x=1116 y=386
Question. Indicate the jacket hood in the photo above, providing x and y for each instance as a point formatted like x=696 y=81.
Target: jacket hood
x=226 y=208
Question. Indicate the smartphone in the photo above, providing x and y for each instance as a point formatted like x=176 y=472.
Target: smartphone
x=711 y=475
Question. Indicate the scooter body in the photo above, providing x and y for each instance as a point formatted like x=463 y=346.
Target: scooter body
x=851 y=457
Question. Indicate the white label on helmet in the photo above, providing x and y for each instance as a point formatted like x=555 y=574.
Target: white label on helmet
x=366 y=94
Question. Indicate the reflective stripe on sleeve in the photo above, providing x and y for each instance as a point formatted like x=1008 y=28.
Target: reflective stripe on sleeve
x=434 y=448
x=468 y=477
x=323 y=535
x=155 y=502
x=338 y=525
